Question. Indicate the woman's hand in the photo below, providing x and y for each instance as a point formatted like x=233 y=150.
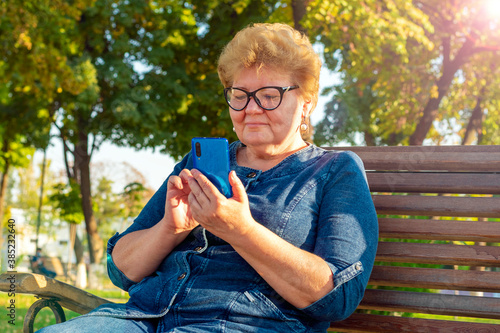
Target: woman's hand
x=298 y=276
x=178 y=217
x=226 y=218
x=139 y=253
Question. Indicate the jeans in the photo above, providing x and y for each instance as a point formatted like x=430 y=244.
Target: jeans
x=100 y=324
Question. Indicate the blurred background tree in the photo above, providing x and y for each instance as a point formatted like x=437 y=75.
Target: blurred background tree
x=426 y=63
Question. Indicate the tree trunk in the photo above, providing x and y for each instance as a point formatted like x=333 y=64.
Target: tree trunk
x=431 y=108
x=82 y=163
x=3 y=181
x=299 y=8
x=475 y=125
x=3 y=189
x=81 y=267
x=76 y=246
x=369 y=139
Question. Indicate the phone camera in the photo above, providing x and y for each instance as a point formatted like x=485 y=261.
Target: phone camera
x=198 y=149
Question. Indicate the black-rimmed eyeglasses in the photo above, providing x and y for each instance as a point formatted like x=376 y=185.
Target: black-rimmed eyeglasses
x=268 y=98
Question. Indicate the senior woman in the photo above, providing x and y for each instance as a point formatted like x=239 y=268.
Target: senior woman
x=291 y=251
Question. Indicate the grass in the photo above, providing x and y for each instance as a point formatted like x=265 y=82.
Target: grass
x=45 y=317
x=464 y=319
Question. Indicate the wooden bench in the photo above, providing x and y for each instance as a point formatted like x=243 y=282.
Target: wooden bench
x=51 y=293
x=439 y=209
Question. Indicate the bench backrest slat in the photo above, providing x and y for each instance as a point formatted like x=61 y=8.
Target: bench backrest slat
x=485 y=159
x=359 y=322
x=444 y=254
x=443 y=304
x=432 y=278
x=437 y=182
x=437 y=206
x=454 y=230
x=461 y=150
x=477 y=162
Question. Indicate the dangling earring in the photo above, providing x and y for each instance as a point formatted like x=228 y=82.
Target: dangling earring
x=303 y=125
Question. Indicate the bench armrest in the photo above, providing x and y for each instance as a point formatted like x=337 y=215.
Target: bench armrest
x=68 y=296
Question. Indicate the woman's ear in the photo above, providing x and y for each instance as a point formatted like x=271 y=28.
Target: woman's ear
x=307 y=108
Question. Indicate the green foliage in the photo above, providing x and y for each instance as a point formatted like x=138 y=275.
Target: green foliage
x=138 y=73
x=22 y=129
x=14 y=152
x=36 y=38
x=24 y=193
x=142 y=73
x=67 y=202
x=5 y=218
x=346 y=115
x=134 y=196
x=405 y=51
x=371 y=34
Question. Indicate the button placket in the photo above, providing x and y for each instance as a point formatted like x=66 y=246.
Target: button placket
x=252 y=175
x=249 y=178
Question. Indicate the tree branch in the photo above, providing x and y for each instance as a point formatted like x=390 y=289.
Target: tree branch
x=446 y=51
x=66 y=149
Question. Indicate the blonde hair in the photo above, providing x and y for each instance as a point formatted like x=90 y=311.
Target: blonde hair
x=277 y=47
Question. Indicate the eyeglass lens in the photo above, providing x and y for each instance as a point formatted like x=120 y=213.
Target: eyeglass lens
x=267 y=98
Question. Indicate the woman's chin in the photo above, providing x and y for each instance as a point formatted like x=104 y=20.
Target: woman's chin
x=255 y=139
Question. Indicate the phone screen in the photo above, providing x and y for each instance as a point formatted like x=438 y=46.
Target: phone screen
x=211 y=157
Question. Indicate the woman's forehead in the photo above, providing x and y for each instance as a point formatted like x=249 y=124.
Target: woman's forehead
x=267 y=75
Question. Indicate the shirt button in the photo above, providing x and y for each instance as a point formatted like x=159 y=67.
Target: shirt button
x=198 y=249
x=358 y=266
x=252 y=175
x=182 y=276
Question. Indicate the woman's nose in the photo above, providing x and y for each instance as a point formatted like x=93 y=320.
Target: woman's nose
x=253 y=107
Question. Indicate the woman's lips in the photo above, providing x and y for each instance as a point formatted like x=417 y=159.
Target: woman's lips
x=255 y=124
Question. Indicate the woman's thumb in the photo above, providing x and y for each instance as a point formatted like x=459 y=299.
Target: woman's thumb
x=237 y=186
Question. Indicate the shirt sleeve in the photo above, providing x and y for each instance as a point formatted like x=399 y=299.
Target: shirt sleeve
x=347 y=238
x=148 y=217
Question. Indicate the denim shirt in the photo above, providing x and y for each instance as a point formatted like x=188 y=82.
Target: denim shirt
x=318 y=200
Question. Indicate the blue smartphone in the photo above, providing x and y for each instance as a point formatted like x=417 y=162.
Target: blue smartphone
x=211 y=157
